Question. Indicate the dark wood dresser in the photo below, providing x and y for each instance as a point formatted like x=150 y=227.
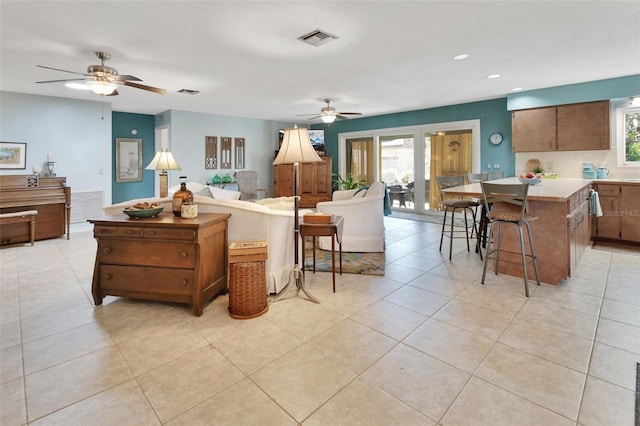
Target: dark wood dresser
x=50 y=196
x=165 y=258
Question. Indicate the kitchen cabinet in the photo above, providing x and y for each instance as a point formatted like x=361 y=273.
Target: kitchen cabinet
x=621 y=212
x=315 y=182
x=164 y=258
x=579 y=227
x=572 y=127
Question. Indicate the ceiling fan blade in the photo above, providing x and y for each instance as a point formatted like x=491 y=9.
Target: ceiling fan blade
x=114 y=93
x=313 y=118
x=125 y=78
x=349 y=113
x=58 y=69
x=143 y=87
x=58 y=81
x=303 y=115
x=342 y=117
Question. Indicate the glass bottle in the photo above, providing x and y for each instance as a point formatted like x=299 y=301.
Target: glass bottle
x=183 y=195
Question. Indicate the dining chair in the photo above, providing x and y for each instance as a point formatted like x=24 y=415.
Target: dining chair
x=513 y=210
x=248 y=185
x=453 y=205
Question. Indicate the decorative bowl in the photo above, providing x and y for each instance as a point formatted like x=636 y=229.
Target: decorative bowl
x=141 y=213
x=530 y=181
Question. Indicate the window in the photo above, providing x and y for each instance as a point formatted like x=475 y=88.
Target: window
x=628 y=136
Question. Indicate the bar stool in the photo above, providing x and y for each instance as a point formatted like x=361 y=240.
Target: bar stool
x=514 y=195
x=451 y=205
x=481 y=221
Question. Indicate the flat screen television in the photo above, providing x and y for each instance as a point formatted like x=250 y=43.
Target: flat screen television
x=317 y=139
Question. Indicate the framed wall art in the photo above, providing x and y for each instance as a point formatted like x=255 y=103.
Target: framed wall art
x=128 y=160
x=239 y=147
x=13 y=155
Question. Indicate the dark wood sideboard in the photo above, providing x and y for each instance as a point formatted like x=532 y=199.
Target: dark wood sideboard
x=163 y=258
x=50 y=196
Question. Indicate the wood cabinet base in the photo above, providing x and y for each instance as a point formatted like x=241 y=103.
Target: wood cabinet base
x=166 y=258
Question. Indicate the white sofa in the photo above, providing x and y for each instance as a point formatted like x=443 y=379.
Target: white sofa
x=248 y=221
x=363 y=212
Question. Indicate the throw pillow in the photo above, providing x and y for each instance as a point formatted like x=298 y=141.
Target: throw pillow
x=224 y=194
x=204 y=193
x=279 y=203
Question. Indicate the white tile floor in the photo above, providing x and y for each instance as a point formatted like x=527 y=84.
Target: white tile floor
x=426 y=344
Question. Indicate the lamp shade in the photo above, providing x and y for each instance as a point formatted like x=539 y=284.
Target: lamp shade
x=163 y=161
x=296 y=148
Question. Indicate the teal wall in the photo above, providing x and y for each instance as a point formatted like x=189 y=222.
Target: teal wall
x=573 y=93
x=121 y=126
x=493 y=116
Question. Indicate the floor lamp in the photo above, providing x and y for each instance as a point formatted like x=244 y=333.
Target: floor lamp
x=163 y=161
x=296 y=148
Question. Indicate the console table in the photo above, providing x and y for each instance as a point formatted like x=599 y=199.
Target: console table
x=164 y=258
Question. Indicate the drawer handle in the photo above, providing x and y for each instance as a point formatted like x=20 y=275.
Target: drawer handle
x=184 y=283
x=183 y=254
x=108 y=276
x=107 y=249
x=152 y=233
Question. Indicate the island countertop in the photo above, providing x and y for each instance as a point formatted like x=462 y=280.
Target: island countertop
x=547 y=190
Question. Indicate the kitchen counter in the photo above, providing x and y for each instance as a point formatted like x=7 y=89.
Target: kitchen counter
x=561 y=233
x=547 y=190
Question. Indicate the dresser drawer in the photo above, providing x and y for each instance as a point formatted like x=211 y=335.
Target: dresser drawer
x=117 y=231
x=132 y=279
x=169 y=234
x=146 y=253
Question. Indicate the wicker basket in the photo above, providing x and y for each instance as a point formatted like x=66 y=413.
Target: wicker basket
x=247 y=281
x=247 y=289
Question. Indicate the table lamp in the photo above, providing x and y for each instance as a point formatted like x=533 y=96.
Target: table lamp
x=163 y=161
x=296 y=148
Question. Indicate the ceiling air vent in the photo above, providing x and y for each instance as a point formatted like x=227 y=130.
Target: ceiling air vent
x=317 y=37
x=188 y=91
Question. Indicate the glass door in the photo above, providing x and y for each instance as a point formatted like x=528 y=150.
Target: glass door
x=396 y=169
x=359 y=160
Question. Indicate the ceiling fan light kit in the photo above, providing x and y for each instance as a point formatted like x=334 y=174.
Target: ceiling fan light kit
x=328 y=114
x=100 y=87
x=102 y=80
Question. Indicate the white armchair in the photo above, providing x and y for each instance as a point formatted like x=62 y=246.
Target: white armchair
x=363 y=212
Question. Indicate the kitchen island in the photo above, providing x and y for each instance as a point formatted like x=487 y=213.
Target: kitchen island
x=561 y=233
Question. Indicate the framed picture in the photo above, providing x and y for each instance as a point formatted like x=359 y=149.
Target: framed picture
x=128 y=160
x=13 y=155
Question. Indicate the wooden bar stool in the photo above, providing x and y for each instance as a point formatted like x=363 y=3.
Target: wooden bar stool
x=514 y=200
x=451 y=205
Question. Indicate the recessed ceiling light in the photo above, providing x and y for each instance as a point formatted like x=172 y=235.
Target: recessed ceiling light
x=460 y=57
x=78 y=86
x=494 y=76
x=516 y=89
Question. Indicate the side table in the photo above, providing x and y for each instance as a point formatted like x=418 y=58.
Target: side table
x=330 y=229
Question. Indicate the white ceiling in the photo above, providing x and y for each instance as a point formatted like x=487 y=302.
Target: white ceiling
x=244 y=58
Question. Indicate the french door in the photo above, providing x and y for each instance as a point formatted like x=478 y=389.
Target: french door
x=408 y=159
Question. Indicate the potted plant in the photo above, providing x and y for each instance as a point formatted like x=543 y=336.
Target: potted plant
x=348 y=183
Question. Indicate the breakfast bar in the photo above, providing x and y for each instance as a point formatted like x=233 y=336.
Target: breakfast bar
x=561 y=233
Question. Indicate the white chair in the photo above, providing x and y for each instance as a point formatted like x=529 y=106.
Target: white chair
x=363 y=212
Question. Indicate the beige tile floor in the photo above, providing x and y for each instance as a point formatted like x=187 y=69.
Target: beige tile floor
x=424 y=345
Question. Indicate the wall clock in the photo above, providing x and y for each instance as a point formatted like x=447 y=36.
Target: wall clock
x=495 y=139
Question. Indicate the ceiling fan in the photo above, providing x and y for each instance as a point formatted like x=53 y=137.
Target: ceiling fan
x=104 y=80
x=328 y=114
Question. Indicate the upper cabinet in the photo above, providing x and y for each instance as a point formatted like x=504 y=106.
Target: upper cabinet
x=573 y=127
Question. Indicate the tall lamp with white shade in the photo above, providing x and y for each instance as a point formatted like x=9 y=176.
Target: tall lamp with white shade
x=163 y=161
x=296 y=148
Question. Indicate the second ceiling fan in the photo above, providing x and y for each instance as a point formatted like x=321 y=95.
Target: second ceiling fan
x=329 y=114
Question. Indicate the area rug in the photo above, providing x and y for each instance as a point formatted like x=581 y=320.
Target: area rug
x=431 y=216
x=352 y=263
x=616 y=247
